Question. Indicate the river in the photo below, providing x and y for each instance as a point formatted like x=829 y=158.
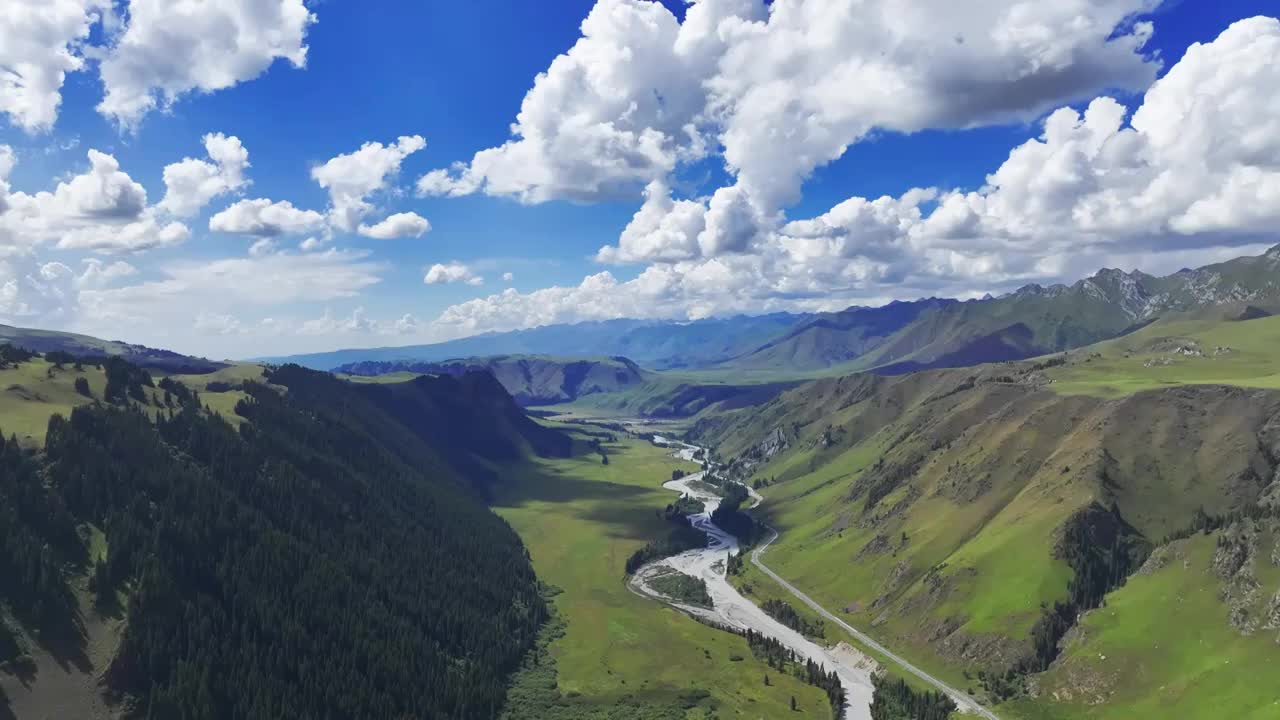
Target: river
x=731 y=608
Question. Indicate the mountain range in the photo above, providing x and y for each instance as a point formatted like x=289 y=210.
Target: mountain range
x=894 y=338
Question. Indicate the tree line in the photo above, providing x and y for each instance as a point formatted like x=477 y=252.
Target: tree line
x=319 y=560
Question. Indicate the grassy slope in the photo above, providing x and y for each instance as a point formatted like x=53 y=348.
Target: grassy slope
x=33 y=391
x=29 y=394
x=1135 y=362
x=223 y=403
x=1039 y=455
x=581 y=520
x=1162 y=647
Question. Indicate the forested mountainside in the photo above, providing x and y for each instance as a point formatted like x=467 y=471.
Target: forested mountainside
x=1091 y=535
x=530 y=379
x=321 y=553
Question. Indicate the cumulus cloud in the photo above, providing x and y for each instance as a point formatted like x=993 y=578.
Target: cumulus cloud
x=620 y=109
x=168 y=49
x=406 y=324
x=101 y=209
x=313 y=243
x=397 y=226
x=328 y=324
x=663 y=230
x=508 y=277
x=191 y=183
x=44 y=293
x=99 y=274
x=265 y=218
x=1192 y=177
x=40 y=42
x=352 y=177
x=785 y=90
x=453 y=272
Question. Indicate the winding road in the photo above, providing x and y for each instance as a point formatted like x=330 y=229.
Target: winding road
x=732 y=609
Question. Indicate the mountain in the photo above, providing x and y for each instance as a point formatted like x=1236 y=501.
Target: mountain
x=1034 y=320
x=836 y=338
x=654 y=344
x=318 y=548
x=43 y=341
x=893 y=339
x=1089 y=535
x=530 y=379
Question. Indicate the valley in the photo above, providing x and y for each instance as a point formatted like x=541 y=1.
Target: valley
x=639 y=360
x=1008 y=537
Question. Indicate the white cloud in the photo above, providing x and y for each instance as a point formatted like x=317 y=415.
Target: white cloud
x=1194 y=177
x=101 y=209
x=453 y=272
x=786 y=90
x=313 y=243
x=328 y=324
x=229 y=285
x=397 y=226
x=48 y=293
x=168 y=49
x=98 y=274
x=146 y=233
x=352 y=177
x=407 y=324
x=217 y=324
x=263 y=246
x=663 y=230
x=190 y=183
x=265 y=218
x=618 y=110
x=40 y=42
x=508 y=277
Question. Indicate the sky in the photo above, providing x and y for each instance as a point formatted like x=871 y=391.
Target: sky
x=240 y=178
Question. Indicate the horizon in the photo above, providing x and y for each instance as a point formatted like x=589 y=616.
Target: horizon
x=143 y=195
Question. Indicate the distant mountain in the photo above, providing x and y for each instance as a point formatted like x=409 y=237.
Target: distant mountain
x=836 y=338
x=1053 y=523
x=43 y=341
x=893 y=339
x=654 y=344
x=1034 y=320
x=530 y=379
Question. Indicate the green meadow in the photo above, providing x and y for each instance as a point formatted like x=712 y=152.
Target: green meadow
x=581 y=520
x=1243 y=353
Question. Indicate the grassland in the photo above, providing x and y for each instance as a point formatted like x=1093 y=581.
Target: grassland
x=1242 y=353
x=976 y=472
x=581 y=520
x=1162 y=647
x=35 y=390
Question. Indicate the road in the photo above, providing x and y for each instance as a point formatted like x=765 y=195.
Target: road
x=962 y=700
x=731 y=609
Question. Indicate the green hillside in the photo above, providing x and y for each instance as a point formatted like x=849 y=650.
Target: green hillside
x=1034 y=320
x=965 y=517
x=43 y=341
x=622 y=655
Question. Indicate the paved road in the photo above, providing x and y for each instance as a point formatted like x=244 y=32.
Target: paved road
x=962 y=700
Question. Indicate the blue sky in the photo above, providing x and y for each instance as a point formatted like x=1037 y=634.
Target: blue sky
x=746 y=225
